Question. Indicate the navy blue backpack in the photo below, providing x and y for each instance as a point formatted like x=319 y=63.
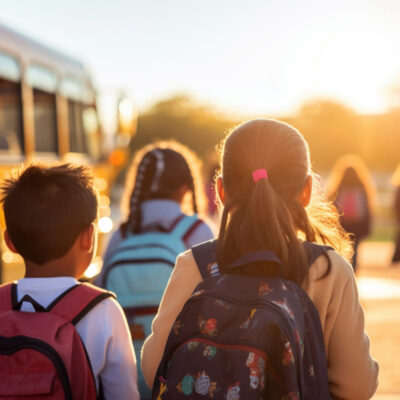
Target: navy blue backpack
x=244 y=337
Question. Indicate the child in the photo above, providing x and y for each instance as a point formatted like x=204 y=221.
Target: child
x=351 y=189
x=268 y=205
x=139 y=258
x=162 y=177
x=50 y=215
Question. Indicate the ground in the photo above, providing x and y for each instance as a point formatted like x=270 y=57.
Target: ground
x=379 y=288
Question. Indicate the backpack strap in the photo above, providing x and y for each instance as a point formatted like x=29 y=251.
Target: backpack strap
x=314 y=250
x=185 y=226
x=204 y=255
x=77 y=301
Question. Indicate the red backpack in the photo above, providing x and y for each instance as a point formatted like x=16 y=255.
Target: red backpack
x=41 y=353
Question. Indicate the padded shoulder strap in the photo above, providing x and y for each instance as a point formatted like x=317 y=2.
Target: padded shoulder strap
x=204 y=255
x=77 y=301
x=314 y=250
x=7 y=296
x=186 y=225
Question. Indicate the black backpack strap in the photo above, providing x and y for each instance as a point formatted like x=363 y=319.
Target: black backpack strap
x=314 y=250
x=204 y=254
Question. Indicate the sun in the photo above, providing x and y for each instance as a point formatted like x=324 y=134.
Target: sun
x=358 y=66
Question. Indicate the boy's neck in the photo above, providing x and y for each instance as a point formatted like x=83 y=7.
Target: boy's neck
x=51 y=269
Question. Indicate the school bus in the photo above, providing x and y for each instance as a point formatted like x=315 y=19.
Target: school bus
x=48 y=113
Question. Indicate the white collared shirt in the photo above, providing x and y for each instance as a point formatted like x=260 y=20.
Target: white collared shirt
x=104 y=332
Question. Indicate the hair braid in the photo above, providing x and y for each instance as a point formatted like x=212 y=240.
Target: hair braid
x=135 y=215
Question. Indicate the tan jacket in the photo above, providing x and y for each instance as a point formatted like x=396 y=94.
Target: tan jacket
x=352 y=373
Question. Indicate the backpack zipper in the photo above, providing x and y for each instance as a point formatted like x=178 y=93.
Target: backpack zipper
x=10 y=345
x=244 y=347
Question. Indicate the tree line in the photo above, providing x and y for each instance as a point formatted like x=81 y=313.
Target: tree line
x=331 y=129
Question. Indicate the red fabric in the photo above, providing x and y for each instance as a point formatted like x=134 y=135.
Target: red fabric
x=5 y=297
x=55 y=329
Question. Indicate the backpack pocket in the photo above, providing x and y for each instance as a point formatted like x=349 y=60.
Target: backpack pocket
x=198 y=364
x=30 y=367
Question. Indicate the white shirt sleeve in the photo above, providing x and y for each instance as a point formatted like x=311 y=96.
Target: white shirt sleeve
x=107 y=339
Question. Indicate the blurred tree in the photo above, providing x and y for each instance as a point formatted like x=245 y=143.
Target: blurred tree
x=331 y=130
x=182 y=119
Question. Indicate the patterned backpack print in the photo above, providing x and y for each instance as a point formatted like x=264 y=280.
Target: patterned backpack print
x=242 y=337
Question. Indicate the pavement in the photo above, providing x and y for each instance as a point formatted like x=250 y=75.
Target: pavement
x=379 y=289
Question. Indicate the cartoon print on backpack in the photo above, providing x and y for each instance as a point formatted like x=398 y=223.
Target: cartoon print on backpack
x=208 y=327
x=221 y=303
x=210 y=352
x=257 y=370
x=285 y=307
x=202 y=383
x=246 y=323
x=263 y=289
x=287 y=356
x=177 y=327
x=233 y=392
x=292 y=396
x=213 y=269
x=186 y=385
x=192 y=345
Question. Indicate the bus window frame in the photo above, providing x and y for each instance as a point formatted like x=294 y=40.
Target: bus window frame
x=13 y=158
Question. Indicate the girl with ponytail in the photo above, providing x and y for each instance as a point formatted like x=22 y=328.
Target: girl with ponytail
x=271 y=202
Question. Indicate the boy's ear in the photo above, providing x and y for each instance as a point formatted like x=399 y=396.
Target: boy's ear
x=305 y=196
x=220 y=190
x=87 y=238
x=9 y=242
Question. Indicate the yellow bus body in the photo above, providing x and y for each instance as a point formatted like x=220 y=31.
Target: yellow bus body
x=47 y=113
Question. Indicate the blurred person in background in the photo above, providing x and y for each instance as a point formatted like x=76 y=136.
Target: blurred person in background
x=396 y=207
x=351 y=189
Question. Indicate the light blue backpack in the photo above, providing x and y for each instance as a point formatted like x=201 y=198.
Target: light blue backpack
x=138 y=271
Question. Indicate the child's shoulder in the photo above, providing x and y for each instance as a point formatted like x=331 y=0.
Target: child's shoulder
x=339 y=268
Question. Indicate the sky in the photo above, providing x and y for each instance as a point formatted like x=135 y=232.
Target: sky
x=242 y=56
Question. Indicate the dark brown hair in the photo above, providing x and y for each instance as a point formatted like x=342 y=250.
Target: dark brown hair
x=158 y=171
x=46 y=208
x=268 y=214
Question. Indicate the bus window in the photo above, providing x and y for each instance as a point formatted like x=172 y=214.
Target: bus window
x=9 y=68
x=44 y=108
x=77 y=139
x=11 y=133
x=91 y=128
x=44 y=83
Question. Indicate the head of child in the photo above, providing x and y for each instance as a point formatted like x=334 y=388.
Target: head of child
x=163 y=170
x=50 y=214
x=268 y=202
x=350 y=171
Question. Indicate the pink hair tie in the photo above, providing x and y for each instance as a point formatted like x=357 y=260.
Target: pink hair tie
x=259 y=174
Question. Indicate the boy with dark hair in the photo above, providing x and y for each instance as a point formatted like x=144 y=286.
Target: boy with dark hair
x=50 y=215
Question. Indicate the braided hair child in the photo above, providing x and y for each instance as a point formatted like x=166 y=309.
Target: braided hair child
x=163 y=184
